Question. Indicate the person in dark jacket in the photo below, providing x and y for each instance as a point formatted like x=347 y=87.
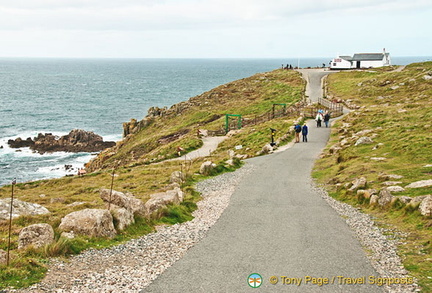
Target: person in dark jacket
x=304 y=132
x=326 y=119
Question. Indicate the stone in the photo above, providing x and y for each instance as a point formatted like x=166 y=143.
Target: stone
x=395 y=188
x=177 y=177
x=122 y=217
x=20 y=208
x=364 y=193
x=378 y=158
x=358 y=184
x=89 y=222
x=36 y=235
x=405 y=199
x=426 y=206
x=416 y=201
x=373 y=199
x=363 y=140
x=385 y=197
x=160 y=200
x=267 y=149
x=68 y=235
x=124 y=200
x=420 y=184
x=390 y=183
x=383 y=176
x=207 y=167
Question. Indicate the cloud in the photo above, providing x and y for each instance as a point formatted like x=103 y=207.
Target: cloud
x=132 y=15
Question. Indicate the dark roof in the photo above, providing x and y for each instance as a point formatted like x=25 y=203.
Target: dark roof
x=369 y=57
x=347 y=58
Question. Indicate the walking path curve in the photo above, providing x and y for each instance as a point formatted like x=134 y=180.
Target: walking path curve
x=278 y=225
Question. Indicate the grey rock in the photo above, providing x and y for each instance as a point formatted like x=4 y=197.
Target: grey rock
x=426 y=206
x=207 y=167
x=124 y=200
x=177 y=177
x=36 y=235
x=89 y=222
x=385 y=197
x=20 y=208
x=420 y=184
x=123 y=217
x=395 y=188
x=358 y=183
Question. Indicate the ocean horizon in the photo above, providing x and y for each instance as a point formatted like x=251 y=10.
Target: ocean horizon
x=56 y=95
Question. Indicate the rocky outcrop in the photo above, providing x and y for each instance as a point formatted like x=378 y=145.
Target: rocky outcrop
x=124 y=200
x=385 y=198
x=89 y=222
x=37 y=235
x=358 y=183
x=160 y=200
x=20 y=208
x=76 y=141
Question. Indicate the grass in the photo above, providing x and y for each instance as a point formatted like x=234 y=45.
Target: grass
x=396 y=108
x=136 y=172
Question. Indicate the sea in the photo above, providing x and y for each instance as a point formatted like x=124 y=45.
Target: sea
x=57 y=95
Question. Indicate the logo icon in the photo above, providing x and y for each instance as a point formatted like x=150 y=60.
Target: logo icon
x=254 y=280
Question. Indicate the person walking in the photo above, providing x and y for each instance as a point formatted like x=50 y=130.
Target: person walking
x=304 y=132
x=297 y=129
x=318 y=119
x=326 y=119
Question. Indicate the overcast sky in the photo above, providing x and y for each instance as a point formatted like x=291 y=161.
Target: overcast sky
x=214 y=28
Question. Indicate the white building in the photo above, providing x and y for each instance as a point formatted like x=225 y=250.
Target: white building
x=361 y=60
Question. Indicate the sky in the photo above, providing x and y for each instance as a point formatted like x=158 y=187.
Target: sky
x=213 y=28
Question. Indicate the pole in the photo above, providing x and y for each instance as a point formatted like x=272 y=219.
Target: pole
x=10 y=222
x=112 y=183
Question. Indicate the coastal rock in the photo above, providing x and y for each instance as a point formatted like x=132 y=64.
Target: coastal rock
x=420 y=184
x=89 y=222
x=426 y=206
x=20 y=143
x=20 y=208
x=76 y=141
x=405 y=199
x=37 y=235
x=416 y=201
x=122 y=217
x=124 y=200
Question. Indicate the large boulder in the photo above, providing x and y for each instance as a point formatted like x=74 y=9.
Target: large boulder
x=89 y=222
x=426 y=206
x=124 y=200
x=20 y=208
x=122 y=217
x=160 y=200
x=36 y=235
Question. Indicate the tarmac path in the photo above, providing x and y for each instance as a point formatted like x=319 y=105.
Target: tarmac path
x=278 y=225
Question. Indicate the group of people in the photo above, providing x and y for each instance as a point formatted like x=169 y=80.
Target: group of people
x=321 y=116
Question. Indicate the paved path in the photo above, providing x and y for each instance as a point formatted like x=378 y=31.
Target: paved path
x=276 y=225
x=210 y=143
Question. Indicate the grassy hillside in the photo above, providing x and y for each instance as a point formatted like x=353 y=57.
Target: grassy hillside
x=395 y=110
x=137 y=172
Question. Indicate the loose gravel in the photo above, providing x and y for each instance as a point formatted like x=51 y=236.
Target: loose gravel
x=382 y=249
x=132 y=266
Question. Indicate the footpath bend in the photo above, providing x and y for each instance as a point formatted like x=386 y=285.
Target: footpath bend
x=276 y=226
